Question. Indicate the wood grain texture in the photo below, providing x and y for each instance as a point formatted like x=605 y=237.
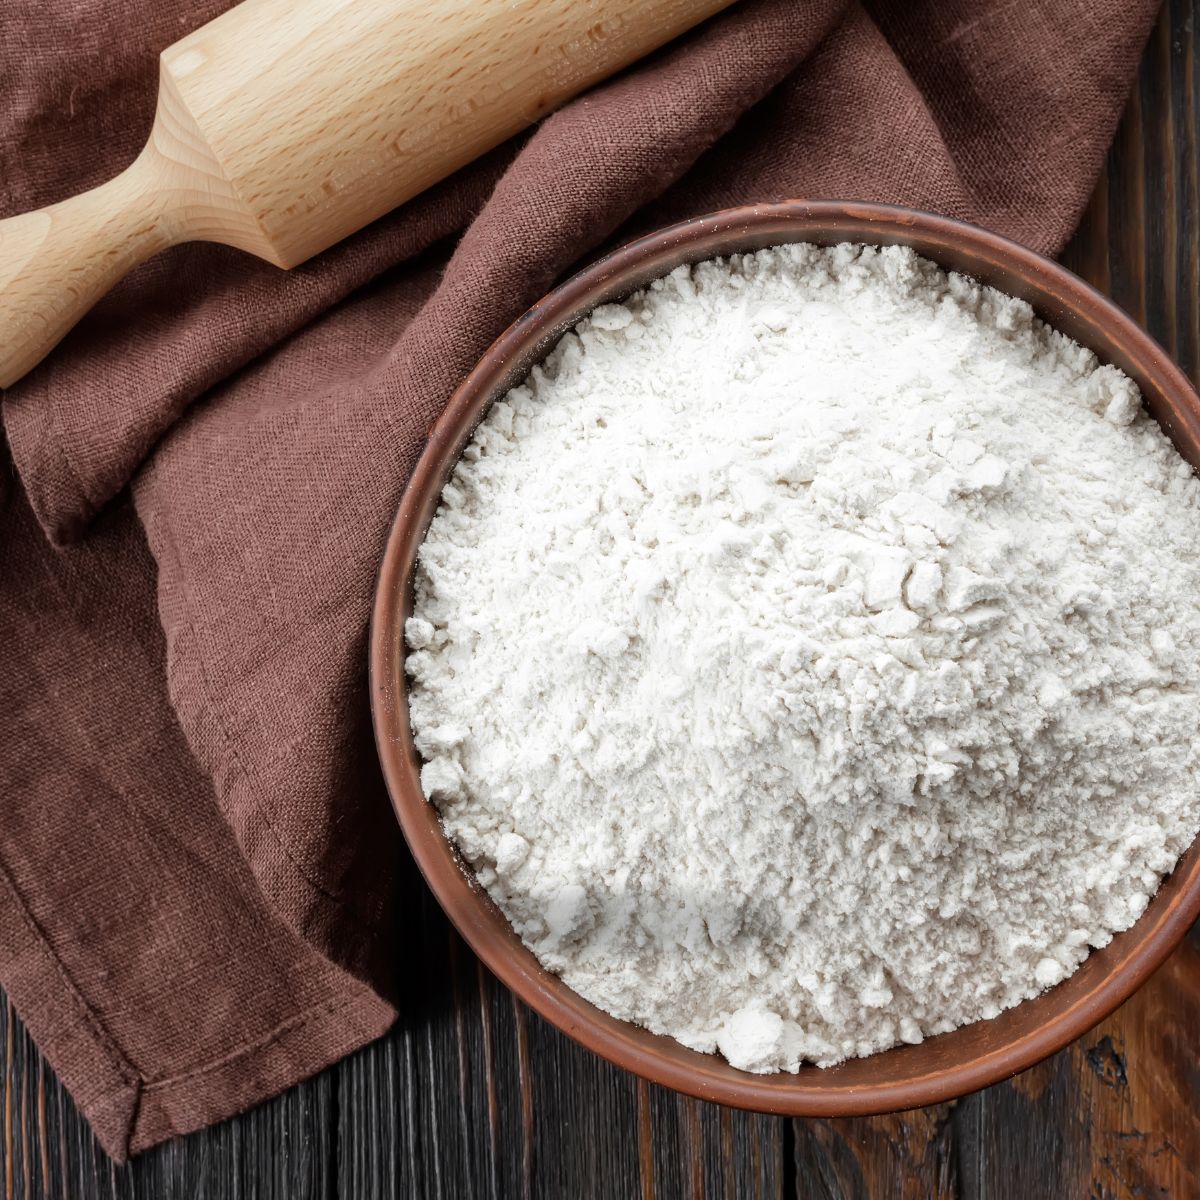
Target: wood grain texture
x=285 y=125
x=473 y=1096
x=55 y=263
x=327 y=115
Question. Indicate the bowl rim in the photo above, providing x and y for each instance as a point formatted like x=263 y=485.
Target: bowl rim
x=1111 y=975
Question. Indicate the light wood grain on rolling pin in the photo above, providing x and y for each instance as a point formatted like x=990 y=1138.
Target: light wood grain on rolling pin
x=285 y=125
x=327 y=116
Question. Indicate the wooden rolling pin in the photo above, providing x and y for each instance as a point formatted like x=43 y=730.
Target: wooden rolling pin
x=285 y=125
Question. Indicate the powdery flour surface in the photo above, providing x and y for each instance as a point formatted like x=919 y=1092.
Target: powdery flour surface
x=806 y=656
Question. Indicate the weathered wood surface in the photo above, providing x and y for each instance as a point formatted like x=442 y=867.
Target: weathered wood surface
x=473 y=1096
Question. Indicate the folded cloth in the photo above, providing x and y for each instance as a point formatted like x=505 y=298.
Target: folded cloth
x=200 y=878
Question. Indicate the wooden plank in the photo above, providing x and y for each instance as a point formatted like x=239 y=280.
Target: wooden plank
x=435 y=1110
x=48 y=1148
x=905 y=1156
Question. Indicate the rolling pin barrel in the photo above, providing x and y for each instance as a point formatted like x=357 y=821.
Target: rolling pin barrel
x=285 y=125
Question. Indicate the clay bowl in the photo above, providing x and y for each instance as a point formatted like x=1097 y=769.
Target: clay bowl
x=942 y=1067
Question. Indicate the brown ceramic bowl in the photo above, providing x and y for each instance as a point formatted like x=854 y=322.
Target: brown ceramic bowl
x=941 y=1067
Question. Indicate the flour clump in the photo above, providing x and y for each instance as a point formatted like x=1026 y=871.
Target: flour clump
x=806 y=656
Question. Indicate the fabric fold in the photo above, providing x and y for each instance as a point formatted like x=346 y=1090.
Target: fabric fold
x=134 y=940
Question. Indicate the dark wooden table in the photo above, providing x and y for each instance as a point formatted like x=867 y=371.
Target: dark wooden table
x=474 y=1096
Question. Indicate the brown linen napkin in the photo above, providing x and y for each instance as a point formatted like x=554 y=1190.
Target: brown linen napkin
x=199 y=874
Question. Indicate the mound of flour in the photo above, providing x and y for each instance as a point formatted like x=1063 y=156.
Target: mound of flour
x=807 y=657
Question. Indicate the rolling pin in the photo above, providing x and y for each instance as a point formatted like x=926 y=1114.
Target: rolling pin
x=282 y=126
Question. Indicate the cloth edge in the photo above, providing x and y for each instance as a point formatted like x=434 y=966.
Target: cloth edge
x=259 y=1072
x=129 y=1113
x=64 y=1028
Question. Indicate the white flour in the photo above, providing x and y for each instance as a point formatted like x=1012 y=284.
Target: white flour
x=807 y=657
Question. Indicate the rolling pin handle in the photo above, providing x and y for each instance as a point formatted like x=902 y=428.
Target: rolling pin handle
x=56 y=262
